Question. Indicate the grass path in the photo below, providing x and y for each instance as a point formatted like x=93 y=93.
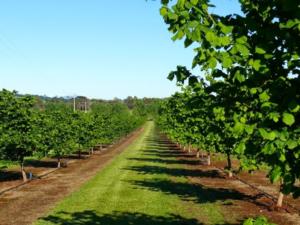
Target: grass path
x=135 y=189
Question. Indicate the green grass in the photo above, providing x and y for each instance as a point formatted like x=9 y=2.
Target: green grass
x=8 y=164
x=142 y=186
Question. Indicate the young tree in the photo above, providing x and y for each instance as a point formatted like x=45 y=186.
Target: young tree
x=56 y=134
x=17 y=118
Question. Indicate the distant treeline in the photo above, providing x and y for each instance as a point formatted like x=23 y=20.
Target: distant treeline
x=145 y=106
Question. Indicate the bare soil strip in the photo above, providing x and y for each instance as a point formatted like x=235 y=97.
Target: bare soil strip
x=240 y=199
x=258 y=180
x=32 y=200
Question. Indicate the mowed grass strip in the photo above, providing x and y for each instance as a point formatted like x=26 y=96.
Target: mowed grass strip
x=138 y=188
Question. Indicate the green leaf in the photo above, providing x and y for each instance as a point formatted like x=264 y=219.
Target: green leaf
x=275 y=174
x=225 y=28
x=294 y=107
x=242 y=49
x=194 y=2
x=253 y=91
x=289 y=24
x=180 y=3
x=224 y=40
x=269 y=149
x=238 y=128
x=171 y=76
x=288 y=119
x=165 y=2
x=211 y=37
x=193 y=80
x=259 y=50
x=274 y=116
x=283 y=135
x=240 y=148
x=268 y=56
x=238 y=76
x=187 y=42
x=266 y=105
x=178 y=36
x=227 y=62
x=255 y=64
x=292 y=144
x=282 y=158
x=212 y=63
x=172 y=16
x=249 y=129
x=264 y=97
x=248 y=221
x=243 y=119
x=242 y=40
x=163 y=11
x=267 y=135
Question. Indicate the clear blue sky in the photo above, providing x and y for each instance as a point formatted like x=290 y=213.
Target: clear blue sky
x=96 y=48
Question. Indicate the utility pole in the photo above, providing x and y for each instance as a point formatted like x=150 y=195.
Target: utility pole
x=74 y=103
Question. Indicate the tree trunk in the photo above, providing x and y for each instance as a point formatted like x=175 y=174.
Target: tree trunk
x=92 y=150
x=58 y=162
x=280 y=200
x=198 y=154
x=280 y=196
x=184 y=148
x=101 y=147
x=229 y=166
x=24 y=175
x=208 y=159
x=79 y=154
x=189 y=148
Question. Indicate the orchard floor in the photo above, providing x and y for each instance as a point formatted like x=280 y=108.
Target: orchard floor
x=151 y=182
x=27 y=203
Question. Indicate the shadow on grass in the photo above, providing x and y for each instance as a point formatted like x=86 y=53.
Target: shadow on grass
x=159 y=152
x=178 y=172
x=161 y=144
x=167 y=161
x=90 y=217
x=154 y=148
x=168 y=154
x=191 y=192
x=162 y=147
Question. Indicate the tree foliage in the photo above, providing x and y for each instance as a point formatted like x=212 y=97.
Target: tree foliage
x=54 y=130
x=250 y=65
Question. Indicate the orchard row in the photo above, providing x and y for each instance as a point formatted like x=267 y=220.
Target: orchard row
x=246 y=101
x=56 y=130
